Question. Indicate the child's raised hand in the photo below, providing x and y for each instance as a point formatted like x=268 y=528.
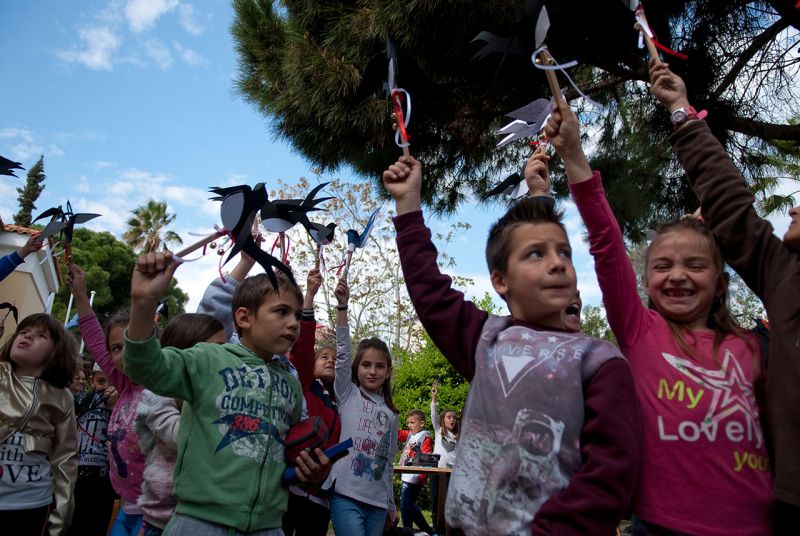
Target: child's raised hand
x=342 y=292
x=76 y=280
x=403 y=181
x=537 y=176
x=35 y=242
x=313 y=281
x=667 y=87
x=434 y=390
x=563 y=130
x=152 y=275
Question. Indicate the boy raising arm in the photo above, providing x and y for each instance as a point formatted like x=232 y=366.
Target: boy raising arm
x=549 y=437
x=242 y=403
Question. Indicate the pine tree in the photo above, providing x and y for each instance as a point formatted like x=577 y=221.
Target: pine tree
x=30 y=193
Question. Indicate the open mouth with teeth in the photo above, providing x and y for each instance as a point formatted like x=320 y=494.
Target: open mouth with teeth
x=573 y=309
x=678 y=293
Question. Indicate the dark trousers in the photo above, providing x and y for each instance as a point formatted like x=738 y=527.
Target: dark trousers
x=787 y=519
x=30 y=522
x=409 y=511
x=305 y=517
x=94 y=501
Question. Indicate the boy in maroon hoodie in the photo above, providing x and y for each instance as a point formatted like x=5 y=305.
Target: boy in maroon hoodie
x=549 y=441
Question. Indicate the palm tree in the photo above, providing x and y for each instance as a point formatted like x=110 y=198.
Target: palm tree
x=147 y=228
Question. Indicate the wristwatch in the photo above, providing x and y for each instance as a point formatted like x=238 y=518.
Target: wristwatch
x=681 y=115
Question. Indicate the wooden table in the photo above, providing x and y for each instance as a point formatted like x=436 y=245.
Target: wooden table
x=438 y=472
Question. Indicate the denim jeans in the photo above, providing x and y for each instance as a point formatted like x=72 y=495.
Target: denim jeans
x=409 y=510
x=355 y=518
x=126 y=524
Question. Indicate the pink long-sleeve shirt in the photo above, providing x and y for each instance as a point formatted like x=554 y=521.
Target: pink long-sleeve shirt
x=124 y=455
x=705 y=468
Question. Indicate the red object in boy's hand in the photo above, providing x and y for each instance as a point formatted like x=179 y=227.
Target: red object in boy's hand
x=305 y=435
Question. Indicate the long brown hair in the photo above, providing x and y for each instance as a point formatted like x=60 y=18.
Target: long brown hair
x=719 y=318
x=376 y=344
x=456 y=429
x=63 y=362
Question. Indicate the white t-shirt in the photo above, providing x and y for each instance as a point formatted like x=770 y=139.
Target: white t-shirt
x=25 y=479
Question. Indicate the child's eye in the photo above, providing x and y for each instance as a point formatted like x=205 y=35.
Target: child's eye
x=566 y=253
x=115 y=349
x=536 y=254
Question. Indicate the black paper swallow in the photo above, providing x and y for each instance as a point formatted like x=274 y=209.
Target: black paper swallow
x=63 y=221
x=7 y=167
x=322 y=234
x=522 y=40
x=240 y=204
x=280 y=215
x=11 y=309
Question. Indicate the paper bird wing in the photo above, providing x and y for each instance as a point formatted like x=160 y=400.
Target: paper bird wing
x=12 y=308
x=391 y=56
x=631 y=4
x=222 y=193
x=542 y=27
x=362 y=239
x=310 y=197
x=495 y=43
x=519 y=190
x=531 y=112
x=83 y=217
x=322 y=234
x=7 y=166
x=508 y=184
x=516 y=130
x=53 y=228
x=266 y=261
x=231 y=211
x=54 y=212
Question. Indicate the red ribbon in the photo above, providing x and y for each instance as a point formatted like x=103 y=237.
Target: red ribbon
x=398 y=109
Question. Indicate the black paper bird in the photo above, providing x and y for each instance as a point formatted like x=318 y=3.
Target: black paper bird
x=322 y=234
x=12 y=309
x=55 y=225
x=7 y=167
x=522 y=40
x=64 y=221
x=280 y=215
x=240 y=204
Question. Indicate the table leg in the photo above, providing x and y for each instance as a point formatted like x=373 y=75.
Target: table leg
x=441 y=500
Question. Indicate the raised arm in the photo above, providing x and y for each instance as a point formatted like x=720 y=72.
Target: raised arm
x=747 y=241
x=440 y=308
x=10 y=262
x=218 y=297
x=435 y=409
x=343 y=380
x=302 y=353
x=91 y=331
x=625 y=312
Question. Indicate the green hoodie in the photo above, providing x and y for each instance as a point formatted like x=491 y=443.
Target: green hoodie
x=230 y=442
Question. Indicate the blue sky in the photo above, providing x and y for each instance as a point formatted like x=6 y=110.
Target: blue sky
x=133 y=99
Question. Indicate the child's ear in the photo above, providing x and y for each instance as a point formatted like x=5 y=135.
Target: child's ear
x=499 y=282
x=242 y=317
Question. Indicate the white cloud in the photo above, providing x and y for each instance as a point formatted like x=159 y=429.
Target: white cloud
x=143 y=14
x=189 y=56
x=159 y=53
x=23 y=133
x=188 y=19
x=98 y=44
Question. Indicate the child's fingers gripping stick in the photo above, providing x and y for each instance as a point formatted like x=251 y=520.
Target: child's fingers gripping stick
x=76 y=279
x=311 y=470
x=403 y=181
x=342 y=292
x=313 y=281
x=152 y=275
x=667 y=87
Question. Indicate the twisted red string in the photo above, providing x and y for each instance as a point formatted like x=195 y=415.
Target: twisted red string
x=398 y=109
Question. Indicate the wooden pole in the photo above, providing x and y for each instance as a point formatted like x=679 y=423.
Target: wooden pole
x=651 y=48
x=552 y=80
x=197 y=245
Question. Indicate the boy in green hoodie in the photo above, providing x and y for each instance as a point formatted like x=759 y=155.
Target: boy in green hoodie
x=239 y=400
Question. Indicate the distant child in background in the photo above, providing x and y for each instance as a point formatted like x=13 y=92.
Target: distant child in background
x=157 y=424
x=770 y=267
x=549 y=438
x=705 y=468
x=37 y=428
x=94 y=496
x=126 y=461
x=78 y=382
x=309 y=511
x=8 y=263
x=239 y=403
x=362 y=500
x=417 y=440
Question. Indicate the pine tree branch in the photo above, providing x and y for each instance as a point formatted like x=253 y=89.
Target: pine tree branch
x=757 y=44
x=760 y=129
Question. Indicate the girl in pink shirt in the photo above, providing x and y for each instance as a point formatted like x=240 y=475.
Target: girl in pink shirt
x=705 y=468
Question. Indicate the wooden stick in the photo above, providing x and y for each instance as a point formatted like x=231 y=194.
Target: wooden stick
x=282 y=237
x=316 y=260
x=406 y=152
x=552 y=80
x=197 y=245
x=651 y=48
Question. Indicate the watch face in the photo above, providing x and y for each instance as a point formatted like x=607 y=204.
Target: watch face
x=678 y=116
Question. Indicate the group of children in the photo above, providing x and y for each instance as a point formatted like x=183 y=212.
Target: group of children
x=561 y=433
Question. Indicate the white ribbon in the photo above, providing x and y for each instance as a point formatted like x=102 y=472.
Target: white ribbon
x=406 y=116
x=560 y=67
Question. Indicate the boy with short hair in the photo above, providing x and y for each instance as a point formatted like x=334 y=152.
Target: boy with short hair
x=549 y=441
x=242 y=401
x=417 y=439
